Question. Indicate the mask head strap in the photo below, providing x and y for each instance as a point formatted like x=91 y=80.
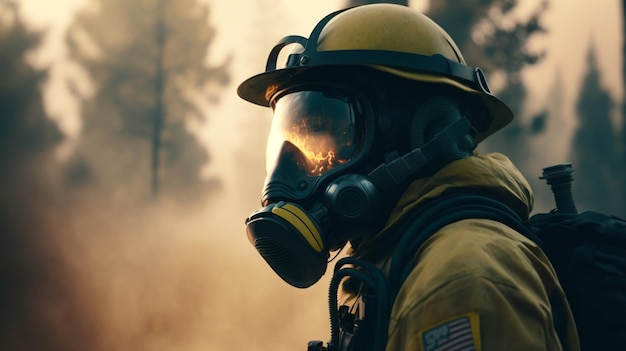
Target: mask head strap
x=398 y=170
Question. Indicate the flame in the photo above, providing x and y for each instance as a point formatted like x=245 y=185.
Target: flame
x=320 y=151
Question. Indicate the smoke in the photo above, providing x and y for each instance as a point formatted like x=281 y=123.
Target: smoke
x=80 y=273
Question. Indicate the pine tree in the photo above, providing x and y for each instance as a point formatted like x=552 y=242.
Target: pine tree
x=594 y=153
x=148 y=63
x=27 y=136
x=26 y=133
x=27 y=171
x=489 y=37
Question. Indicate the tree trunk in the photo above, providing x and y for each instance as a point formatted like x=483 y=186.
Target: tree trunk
x=158 y=92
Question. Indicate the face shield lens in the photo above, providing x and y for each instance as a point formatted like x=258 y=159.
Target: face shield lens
x=321 y=125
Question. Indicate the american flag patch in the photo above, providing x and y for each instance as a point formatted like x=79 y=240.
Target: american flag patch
x=459 y=334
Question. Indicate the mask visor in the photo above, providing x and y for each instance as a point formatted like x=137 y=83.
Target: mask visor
x=321 y=125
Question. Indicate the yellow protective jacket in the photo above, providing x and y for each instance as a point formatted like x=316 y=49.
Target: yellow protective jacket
x=477 y=284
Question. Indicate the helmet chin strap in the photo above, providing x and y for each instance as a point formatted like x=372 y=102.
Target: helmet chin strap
x=391 y=174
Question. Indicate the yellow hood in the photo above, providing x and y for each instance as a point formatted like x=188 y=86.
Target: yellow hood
x=493 y=173
x=475 y=270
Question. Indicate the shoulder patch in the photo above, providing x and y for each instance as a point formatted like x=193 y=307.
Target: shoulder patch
x=461 y=333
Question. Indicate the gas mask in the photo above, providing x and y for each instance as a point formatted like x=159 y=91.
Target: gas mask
x=318 y=194
x=314 y=200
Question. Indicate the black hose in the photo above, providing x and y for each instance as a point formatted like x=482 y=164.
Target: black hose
x=375 y=281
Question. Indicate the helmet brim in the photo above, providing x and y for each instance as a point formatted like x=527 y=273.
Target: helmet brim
x=259 y=89
x=501 y=114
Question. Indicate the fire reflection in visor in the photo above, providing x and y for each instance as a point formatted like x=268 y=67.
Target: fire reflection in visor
x=321 y=125
x=319 y=149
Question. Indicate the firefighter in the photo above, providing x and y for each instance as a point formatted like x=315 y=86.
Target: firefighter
x=375 y=116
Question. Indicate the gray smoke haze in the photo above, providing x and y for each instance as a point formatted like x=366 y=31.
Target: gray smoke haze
x=77 y=273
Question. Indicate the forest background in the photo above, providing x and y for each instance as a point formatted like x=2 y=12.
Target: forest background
x=128 y=163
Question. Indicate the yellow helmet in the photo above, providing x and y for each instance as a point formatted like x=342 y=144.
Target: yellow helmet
x=391 y=38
